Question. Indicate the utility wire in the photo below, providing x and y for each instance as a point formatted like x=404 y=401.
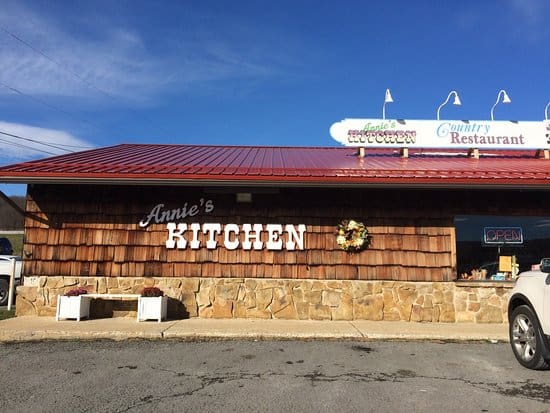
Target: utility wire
x=48 y=105
x=64 y=67
x=35 y=141
x=72 y=72
x=27 y=147
x=45 y=143
x=73 y=146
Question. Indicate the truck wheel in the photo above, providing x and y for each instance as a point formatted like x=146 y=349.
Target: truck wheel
x=526 y=338
x=4 y=291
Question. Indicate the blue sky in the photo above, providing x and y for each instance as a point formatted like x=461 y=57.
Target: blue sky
x=82 y=74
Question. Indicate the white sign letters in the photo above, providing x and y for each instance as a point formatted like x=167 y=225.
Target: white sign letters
x=160 y=215
x=248 y=237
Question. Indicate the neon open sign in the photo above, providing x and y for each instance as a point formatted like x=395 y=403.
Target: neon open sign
x=503 y=235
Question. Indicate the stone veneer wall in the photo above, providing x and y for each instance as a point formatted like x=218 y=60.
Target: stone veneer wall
x=291 y=299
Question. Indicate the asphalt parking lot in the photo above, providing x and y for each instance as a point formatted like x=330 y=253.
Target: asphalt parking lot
x=236 y=375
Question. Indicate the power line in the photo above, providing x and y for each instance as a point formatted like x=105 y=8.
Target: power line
x=76 y=146
x=72 y=72
x=26 y=147
x=64 y=67
x=35 y=141
x=48 y=105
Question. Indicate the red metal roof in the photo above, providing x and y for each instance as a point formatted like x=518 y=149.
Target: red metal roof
x=311 y=166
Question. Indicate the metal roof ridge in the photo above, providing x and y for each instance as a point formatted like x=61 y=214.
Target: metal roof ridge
x=208 y=145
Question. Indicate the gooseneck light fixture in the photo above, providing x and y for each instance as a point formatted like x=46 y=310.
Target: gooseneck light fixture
x=456 y=101
x=387 y=99
x=505 y=99
x=546 y=111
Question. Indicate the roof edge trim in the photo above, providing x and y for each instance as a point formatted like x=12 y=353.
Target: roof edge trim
x=282 y=183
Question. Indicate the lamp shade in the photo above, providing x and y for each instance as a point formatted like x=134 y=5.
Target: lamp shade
x=388 y=98
x=456 y=101
x=505 y=99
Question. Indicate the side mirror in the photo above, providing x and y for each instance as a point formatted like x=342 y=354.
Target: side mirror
x=545 y=265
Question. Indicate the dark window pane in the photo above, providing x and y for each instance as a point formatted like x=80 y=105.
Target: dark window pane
x=484 y=243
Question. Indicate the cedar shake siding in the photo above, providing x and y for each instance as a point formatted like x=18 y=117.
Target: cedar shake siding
x=95 y=231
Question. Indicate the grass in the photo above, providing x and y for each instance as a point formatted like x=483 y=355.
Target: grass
x=4 y=313
x=16 y=242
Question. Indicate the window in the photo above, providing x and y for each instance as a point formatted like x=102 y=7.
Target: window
x=499 y=247
x=5 y=247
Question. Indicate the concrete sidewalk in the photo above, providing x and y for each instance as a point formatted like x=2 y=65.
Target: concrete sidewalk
x=29 y=328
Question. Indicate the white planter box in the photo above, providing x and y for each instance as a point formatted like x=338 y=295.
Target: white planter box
x=152 y=308
x=76 y=307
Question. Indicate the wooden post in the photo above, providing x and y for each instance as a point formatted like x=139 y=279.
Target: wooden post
x=545 y=153
x=11 y=285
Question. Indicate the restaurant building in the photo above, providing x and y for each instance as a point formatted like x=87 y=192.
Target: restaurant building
x=311 y=233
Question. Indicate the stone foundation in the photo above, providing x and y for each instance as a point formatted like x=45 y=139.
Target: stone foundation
x=287 y=299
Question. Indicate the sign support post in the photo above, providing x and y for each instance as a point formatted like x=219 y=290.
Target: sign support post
x=11 y=284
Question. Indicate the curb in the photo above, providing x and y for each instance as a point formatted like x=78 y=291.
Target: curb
x=30 y=328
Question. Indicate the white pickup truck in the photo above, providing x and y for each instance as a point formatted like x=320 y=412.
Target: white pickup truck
x=5 y=272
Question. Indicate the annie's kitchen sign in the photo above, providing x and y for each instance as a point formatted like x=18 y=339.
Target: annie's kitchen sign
x=246 y=236
x=442 y=133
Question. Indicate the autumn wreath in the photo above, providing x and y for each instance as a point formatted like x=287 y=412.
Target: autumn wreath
x=352 y=235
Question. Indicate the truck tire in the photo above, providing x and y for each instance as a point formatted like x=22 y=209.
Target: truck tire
x=4 y=292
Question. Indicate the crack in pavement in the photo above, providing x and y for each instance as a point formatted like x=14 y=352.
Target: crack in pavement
x=522 y=389
x=205 y=382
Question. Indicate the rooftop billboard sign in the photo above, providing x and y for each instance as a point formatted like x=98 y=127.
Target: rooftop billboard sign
x=451 y=134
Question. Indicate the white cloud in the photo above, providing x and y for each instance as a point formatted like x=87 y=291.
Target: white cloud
x=519 y=20
x=529 y=16
x=113 y=57
x=35 y=142
x=115 y=65
x=530 y=11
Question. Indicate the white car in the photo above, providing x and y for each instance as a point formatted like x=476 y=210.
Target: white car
x=5 y=272
x=529 y=317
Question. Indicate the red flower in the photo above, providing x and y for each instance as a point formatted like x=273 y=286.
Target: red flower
x=151 y=292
